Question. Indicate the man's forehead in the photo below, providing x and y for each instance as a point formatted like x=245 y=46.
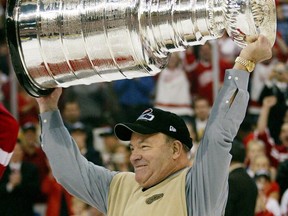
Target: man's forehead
x=137 y=138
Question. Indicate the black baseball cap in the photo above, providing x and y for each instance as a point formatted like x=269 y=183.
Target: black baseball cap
x=155 y=120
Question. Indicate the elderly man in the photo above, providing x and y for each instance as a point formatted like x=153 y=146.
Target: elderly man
x=163 y=182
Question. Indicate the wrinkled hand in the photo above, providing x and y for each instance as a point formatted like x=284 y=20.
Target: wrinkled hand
x=49 y=102
x=269 y=101
x=258 y=49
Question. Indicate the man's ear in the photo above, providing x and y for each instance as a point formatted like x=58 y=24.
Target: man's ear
x=177 y=149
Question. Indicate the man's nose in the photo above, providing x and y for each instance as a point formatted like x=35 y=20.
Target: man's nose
x=135 y=155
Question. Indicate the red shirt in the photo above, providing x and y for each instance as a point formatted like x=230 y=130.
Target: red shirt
x=54 y=193
x=8 y=136
x=202 y=79
x=275 y=153
x=39 y=160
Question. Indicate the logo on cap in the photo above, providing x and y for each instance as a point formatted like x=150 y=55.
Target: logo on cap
x=147 y=115
x=173 y=129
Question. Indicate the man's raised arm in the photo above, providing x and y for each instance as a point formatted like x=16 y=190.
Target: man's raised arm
x=79 y=177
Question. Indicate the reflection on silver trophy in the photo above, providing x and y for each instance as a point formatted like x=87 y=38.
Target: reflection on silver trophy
x=56 y=43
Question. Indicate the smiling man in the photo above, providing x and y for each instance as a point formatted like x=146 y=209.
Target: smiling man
x=163 y=182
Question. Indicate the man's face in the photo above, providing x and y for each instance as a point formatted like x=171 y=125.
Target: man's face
x=80 y=138
x=261 y=163
x=151 y=157
x=202 y=109
x=255 y=149
x=71 y=112
x=30 y=137
x=205 y=52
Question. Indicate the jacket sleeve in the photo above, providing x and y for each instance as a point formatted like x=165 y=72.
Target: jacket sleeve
x=74 y=172
x=8 y=135
x=207 y=180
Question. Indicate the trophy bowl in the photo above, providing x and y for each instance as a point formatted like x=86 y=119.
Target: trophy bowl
x=61 y=43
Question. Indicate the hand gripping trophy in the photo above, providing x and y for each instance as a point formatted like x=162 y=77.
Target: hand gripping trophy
x=60 y=43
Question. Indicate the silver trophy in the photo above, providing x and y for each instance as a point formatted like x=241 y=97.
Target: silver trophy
x=61 y=43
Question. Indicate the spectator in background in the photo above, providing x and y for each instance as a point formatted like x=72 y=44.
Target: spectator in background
x=262 y=164
x=242 y=188
x=189 y=59
x=71 y=114
x=35 y=155
x=97 y=102
x=110 y=144
x=201 y=113
x=121 y=158
x=8 y=136
x=32 y=150
x=282 y=177
x=254 y=149
x=173 y=90
x=19 y=186
x=79 y=134
x=134 y=95
x=276 y=153
x=276 y=87
x=202 y=76
x=266 y=205
x=58 y=199
x=257 y=82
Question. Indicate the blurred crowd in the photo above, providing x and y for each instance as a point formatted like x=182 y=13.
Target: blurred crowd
x=184 y=87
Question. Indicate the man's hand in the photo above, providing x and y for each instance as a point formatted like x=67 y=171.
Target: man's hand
x=49 y=102
x=257 y=50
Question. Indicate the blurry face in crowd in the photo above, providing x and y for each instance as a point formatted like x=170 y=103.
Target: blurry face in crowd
x=17 y=155
x=261 y=162
x=202 y=109
x=174 y=61
x=110 y=142
x=152 y=158
x=255 y=148
x=205 y=52
x=284 y=134
x=71 y=112
x=262 y=183
x=80 y=138
x=121 y=155
x=30 y=137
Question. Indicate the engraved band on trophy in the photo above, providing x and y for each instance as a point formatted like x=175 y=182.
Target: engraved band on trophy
x=60 y=43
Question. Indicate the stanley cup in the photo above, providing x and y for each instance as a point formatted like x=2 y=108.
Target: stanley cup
x=60 y=43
